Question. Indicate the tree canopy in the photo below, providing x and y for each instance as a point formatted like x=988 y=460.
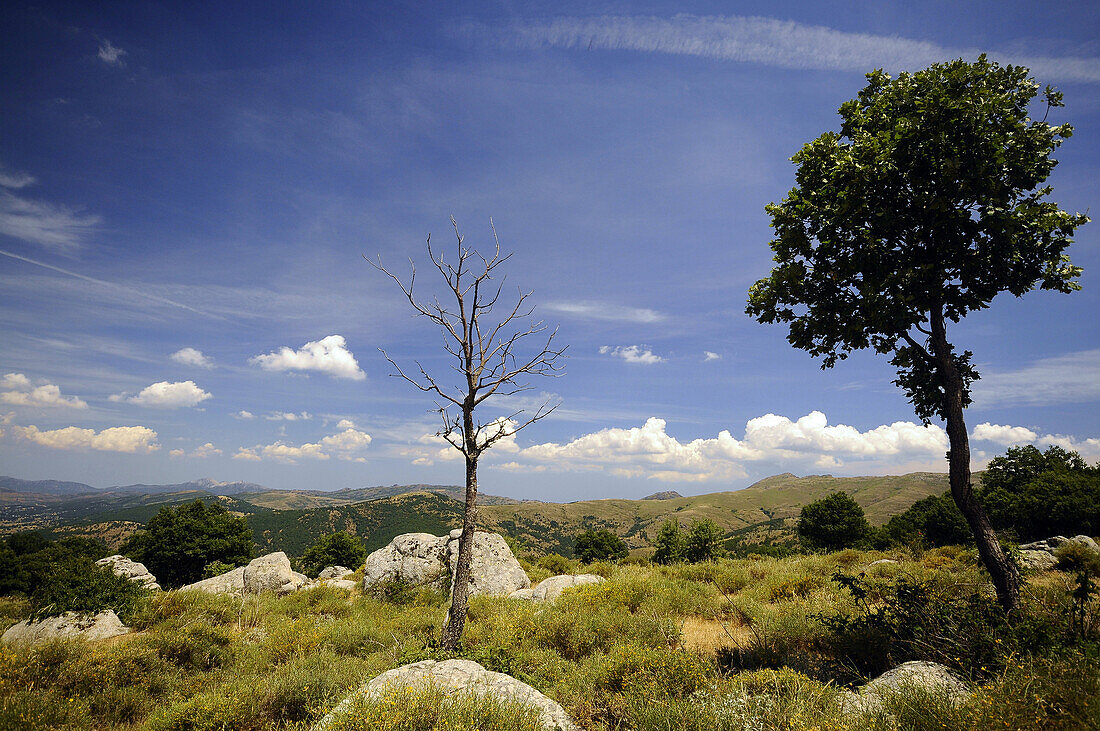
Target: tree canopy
x=1039 y=494
x=599 y=545
x=178 y=542
x=337 y=549
x=834 y=522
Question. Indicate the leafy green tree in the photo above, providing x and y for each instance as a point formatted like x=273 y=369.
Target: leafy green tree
x=833 y=522
x=1040 y=494
x=935 y=519
x=179 y=542
x=704 y=541
x=928 y=203
x=338 y=549
x=671 y=543
x=599 y=545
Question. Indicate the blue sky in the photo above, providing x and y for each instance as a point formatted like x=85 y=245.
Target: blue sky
x=186 y=197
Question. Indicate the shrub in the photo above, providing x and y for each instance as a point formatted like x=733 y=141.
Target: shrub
x=833 y=522
x=935 y=520
x=704 y=541
x=78 y=585
x=599 y=545
x=671 y=543
x=428 y=708
x=178 y=543
x=338 y=549
x=556 y=564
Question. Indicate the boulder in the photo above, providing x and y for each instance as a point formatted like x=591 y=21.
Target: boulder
x=339 y=584
x=456 y=676
x=334 y=572
x=1039 y=555
x=132 y=570
x=231 y=582
x=421 y=559
x=417 y=559
x=930 y=677
x=272 y=573
x=523 y=594
x=69 y=625
x=550 y=589
x=494 y=570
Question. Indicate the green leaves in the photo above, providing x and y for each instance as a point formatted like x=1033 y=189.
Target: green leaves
x=927 y=204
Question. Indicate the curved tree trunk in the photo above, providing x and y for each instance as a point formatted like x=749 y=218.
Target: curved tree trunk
x=460 y=587
x=1006 y=578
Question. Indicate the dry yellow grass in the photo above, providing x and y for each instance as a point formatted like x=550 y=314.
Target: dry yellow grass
x=708 y=635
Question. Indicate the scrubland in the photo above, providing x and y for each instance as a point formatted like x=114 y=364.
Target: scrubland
x=755 y=643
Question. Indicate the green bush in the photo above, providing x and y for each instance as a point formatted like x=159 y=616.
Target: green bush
x=670 y=543
x=556 y=564
x=833 y=522
x=704 y=541
x=338 y=549
x=429 y=708
x=599 y=545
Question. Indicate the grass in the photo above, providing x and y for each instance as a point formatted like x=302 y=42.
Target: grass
x=734 y=644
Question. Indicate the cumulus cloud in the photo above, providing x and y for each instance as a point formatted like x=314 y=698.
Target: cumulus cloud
x=165 y=395
x=176 y=453
x=206 y=450
x=242 y=414
x=125 y=439
x=346 y=445
x=345 y=424
x=708 y=356
x=636 y=354
x=328 y=355
x=604 y=311
x=288 y=416
x=1004 y=435
x=110 y=54
x=649 y=451
x=18 y=390
x=192 y=357
x=769 y=41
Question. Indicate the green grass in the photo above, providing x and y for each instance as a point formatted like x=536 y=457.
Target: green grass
x=631 y=653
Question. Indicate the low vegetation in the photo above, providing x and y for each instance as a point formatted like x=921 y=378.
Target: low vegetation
x=756 y=643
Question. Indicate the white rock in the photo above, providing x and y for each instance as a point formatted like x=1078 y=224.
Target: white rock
x=415 y=558
x=550 y=589
x=494 y=570
x=455 y=676
x=929 y=677
x=522 y=594
x=1039 y=555
x=421 y=559
x=132 y=570
x=272 y=573
x=334 y=572
x=340 y=584
x=231 y=582
x=70 y=625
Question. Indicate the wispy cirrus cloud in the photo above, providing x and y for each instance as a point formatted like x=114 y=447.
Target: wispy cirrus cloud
x=1061 y=379
x=605 y=311
x=768 y=41
x=110 y=54
x=52 y=225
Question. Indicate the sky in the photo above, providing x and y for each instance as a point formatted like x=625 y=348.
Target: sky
x=189 y=195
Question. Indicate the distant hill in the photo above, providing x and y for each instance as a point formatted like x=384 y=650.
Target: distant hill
x=44 y=487
x=663 y=495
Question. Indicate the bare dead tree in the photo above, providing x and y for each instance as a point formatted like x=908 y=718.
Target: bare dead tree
x=484 y=343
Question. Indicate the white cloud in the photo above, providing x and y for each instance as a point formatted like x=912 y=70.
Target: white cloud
x=432 y=447
x=636 y=354
x=768 y=41
x=192 y=357
x=649 y=451
x=206 y=450
x=126 y=439
x=328 y=355
x=1004 y=435
x=288 y=416
x=1068 y=378
x=242 y=414
x=166 y=395
x=51 y=225
x=604 y=311
x=13 y=178
x=111 y=54
x=1089 y=449
x=708 y=356
x=20 y=392
x=176 y=453
x=345 y=424
x=346 y=445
